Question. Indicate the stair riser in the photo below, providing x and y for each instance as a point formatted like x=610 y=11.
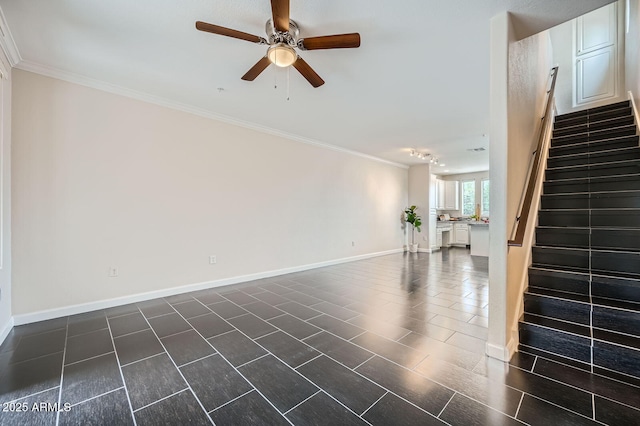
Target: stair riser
x=627 y=240
x=571 y=283
x=593 y=111
x=593 y=136
x=615 y=218
x=575 y=260
x=594 y=158
x=593 y=218
x=621 y=264
x=617 y=320
x=614 y=169
x=573 y=219
x=564 y=344
x=616 y=200
x=617 y=358
x=584 y=119
x=557 y=309
x=606 y=355
x=618 y=183
x=604 y=145
x=563 y=238
x=580 y=201
x=606 y=123
x=616 y=264
x=615 y=289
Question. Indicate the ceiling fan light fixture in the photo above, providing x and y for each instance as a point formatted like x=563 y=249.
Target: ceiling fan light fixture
x=282 y=55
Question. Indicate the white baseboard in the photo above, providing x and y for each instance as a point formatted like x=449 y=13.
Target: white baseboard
x=503 y=353
x=141 y=297
x=6 y=330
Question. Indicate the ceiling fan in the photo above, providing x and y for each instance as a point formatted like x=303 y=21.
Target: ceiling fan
x=283 y=39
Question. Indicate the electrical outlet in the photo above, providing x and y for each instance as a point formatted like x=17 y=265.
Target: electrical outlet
x=113 y=271
x=212 y=260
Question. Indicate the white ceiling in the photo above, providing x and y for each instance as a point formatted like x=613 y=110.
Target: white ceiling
x=419 y=80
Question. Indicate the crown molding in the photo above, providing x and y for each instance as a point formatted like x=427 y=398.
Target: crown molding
x=201 y=112
x=7 y=43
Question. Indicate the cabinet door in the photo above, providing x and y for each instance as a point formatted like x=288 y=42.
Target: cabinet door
x=462 y=234
x=451 y=195
x=440 y=194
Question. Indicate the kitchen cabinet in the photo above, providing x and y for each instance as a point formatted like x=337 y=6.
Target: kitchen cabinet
x=461 y=234
x=447 y=194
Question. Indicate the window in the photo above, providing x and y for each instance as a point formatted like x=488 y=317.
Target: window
x=468 y=197
x=485 y=197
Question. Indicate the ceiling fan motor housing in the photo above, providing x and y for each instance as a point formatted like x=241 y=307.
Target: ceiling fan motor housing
x=287 y=37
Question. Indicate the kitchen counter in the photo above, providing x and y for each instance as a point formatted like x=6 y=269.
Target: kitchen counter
x=479 y=238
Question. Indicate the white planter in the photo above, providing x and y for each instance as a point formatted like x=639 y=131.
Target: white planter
x=413 y=248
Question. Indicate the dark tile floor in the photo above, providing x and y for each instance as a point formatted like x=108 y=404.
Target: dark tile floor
x=391 y=340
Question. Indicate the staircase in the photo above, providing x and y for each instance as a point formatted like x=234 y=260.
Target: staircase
x=582 y=306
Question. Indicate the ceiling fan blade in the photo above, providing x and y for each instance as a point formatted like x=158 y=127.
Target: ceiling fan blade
x=216 y=29
x=338 y=41
x=280 y=13
x=255 y=70
x=308 y=72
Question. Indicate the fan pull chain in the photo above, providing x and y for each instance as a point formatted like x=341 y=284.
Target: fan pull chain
x=275 y=78
x=288 y=73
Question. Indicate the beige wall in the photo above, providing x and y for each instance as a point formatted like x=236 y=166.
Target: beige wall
x=5 y=200
x=529 y=66
x=519 y=71
x=419 y=195
x=103 y=181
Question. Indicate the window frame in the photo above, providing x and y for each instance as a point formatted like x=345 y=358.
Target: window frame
x=462 y=211
x=484 y=212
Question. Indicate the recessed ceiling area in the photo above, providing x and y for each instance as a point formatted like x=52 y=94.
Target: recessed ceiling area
x=419 y=80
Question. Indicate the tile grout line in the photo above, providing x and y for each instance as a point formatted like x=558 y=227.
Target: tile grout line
x=302 y=402
x=515 y=416
x=231 y=401
x=89 y=358
x=447 y=404
x=97 y=396
x=161 y=399
x=199 y=359
x=142 y=359
x=176 y=366
x=374 y=403
x=124 y=383
x=232 y=366
x=64 y=353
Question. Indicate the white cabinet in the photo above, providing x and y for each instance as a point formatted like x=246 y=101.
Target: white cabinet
x=447 y=194
x=461 y=234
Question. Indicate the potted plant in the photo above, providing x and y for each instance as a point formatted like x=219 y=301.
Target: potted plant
x=412 y=218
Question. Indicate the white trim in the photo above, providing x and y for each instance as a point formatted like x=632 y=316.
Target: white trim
x=7 y=43
x=425 y=250
x=167 y=103
x=503 y=353
x=140 y=297
x=635 y=109
x=6 y=330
